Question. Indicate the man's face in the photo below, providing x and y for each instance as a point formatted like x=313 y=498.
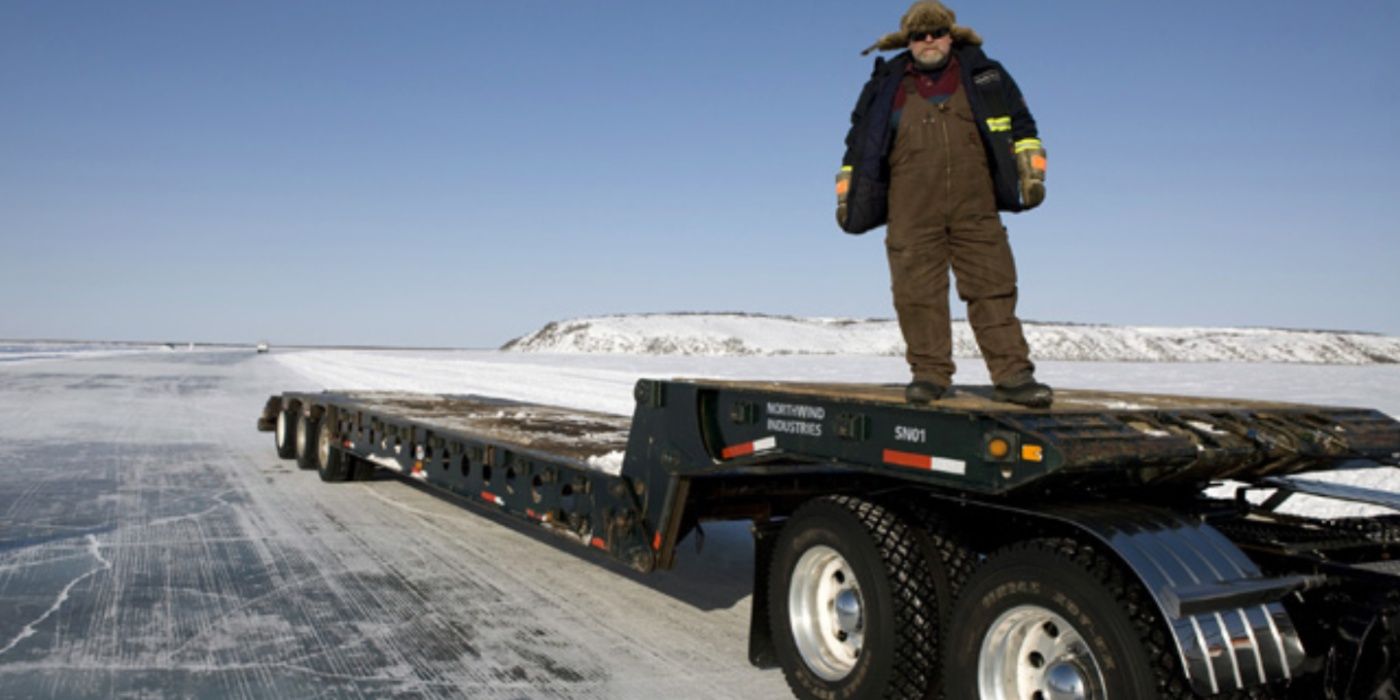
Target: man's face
x=930 y=48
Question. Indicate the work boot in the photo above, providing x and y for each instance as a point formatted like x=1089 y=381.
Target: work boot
x=920 y=391
x=1024 y=391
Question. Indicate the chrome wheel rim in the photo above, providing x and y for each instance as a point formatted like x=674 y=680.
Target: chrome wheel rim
x=301 y=437
x=323 y=446
x=281 y=429
x=1032 y=652
x=826 y=612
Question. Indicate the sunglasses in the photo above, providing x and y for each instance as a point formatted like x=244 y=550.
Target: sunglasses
x=929 y=36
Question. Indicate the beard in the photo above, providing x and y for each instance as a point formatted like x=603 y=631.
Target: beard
x=930 y=58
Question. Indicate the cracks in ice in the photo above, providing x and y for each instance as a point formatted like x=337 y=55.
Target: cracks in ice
x=95 y=550
x=38 y=562
x=220 y=503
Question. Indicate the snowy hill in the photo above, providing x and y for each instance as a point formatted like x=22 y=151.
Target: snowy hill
x=755 y=334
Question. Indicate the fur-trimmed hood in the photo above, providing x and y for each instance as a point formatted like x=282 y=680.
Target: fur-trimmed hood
x=924 y=16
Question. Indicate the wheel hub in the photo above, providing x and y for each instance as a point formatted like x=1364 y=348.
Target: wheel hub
x=826 y=613
x=1065 y=681
x=849 y=618
x=1033 y=652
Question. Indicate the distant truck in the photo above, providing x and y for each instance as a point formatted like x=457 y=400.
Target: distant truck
x=970 y=547
x=263 y=347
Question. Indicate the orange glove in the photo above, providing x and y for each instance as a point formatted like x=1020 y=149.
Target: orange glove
x=1030 y=167
x=843 y=185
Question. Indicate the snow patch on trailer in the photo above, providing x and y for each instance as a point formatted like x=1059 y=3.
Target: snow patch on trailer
x=610 y=463
x=587 y=436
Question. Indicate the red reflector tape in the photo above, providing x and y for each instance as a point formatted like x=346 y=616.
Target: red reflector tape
x=347 y=444
x=749 y=448
x=599 y=543
x=908 y=459
x=737 y=450
x=918 y=461
x=656 y=542
x=493 y=498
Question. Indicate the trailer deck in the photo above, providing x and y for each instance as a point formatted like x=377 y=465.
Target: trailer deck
x=571 y=434
x=979 y=398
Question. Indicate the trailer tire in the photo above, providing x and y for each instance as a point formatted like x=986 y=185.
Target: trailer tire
x=843 y=567
x=330 y=460
x=285 y=435
x=307 y=428
x=1055 y=611
x=361 y=469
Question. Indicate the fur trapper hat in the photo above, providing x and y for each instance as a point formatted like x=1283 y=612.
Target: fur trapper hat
x=925 y=16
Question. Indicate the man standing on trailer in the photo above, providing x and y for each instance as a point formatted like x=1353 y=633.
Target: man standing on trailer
x=940 y=141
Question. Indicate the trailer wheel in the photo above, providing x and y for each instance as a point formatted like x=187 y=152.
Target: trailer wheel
x=1052 y=618
x=285 y=435
x=852 y=603
x=306 y=441
x=361 y=469
x=330 y=461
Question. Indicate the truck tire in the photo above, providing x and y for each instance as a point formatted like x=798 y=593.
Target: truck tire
x=285 y=435
x=330 y=460
x=1053 y=618
x=307 y=429
x=852 y=603
x=361 y=469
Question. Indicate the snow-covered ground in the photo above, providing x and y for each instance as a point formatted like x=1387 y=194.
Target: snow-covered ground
x=17 y=351
x=603 y=382
x=755 y=334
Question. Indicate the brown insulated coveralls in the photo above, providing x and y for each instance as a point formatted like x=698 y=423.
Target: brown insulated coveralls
x=942 y=212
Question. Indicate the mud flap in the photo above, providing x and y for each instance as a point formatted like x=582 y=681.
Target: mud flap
x=761 y=651
x=1375 y=673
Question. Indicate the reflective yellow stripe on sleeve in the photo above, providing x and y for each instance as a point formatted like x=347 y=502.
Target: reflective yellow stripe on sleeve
x=999 y=124
x=1028 y=145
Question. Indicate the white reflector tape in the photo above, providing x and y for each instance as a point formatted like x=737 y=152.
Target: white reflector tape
x=929 y=462
x=949 y=466
x=748 y=448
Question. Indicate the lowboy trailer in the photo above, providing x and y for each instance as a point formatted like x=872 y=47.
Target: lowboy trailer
x=969 y=547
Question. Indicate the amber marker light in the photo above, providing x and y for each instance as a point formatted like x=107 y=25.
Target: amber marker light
x=1032 y=453
x=998 y=448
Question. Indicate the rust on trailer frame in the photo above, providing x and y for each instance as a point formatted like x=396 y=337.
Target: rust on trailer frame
x=572 y=433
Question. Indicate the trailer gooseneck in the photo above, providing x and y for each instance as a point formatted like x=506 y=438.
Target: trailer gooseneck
x=977 y=547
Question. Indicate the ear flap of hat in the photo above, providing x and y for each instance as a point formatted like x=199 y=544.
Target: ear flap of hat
x=889 y=42
x=965 y=35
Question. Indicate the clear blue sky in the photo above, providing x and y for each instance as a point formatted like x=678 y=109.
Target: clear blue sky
x=458 y=173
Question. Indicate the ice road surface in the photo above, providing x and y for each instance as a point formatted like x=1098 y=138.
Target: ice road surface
x=153 y=545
